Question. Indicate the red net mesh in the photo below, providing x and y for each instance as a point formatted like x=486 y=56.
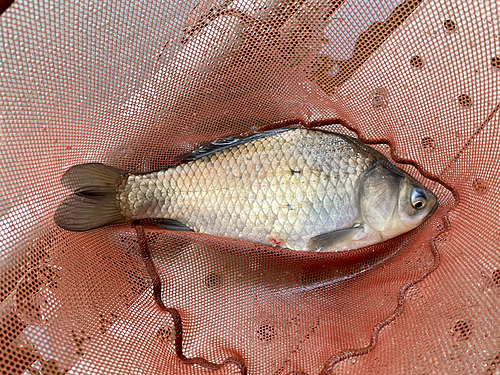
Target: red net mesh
x=134 y=85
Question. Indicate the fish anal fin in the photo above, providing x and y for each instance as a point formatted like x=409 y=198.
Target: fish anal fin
x=336 y=240
x=172 y=224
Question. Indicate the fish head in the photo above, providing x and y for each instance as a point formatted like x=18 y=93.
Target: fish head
x=392 y=202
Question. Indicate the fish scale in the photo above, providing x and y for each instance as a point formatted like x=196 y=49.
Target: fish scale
x=289 y=197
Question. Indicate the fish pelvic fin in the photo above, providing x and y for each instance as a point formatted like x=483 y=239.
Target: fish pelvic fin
x=93 y=203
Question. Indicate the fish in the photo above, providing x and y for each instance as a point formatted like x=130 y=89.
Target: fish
x=295 y=188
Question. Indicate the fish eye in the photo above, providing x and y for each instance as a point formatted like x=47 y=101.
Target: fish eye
x=418 y=199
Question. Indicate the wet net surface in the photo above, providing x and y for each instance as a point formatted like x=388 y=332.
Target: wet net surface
x=135 y=85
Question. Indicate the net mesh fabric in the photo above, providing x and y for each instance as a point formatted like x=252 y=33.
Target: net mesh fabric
x=134 y=85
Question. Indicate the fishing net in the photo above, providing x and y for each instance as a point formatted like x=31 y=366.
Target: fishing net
x=135 y=84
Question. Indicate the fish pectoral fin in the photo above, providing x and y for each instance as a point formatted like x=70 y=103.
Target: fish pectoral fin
x=172 y=224
x=337 y=239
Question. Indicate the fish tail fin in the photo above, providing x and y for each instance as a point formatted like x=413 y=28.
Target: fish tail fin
x=93 y=203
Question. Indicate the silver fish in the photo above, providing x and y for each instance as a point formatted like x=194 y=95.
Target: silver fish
x=302 y=189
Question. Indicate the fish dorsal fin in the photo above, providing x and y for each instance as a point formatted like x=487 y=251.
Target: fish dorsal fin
x=225 y=143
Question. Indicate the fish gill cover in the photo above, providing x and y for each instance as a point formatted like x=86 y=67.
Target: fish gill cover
x=136 y=85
